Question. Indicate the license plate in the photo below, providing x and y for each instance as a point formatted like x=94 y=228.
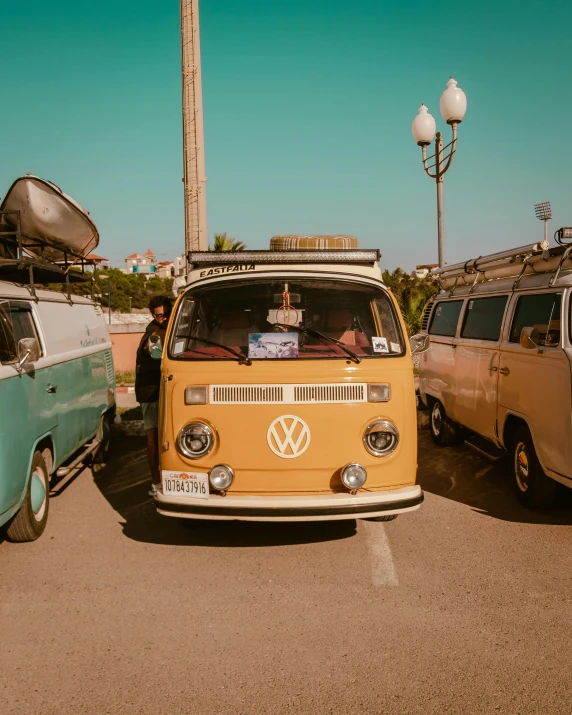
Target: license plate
x=186 y=484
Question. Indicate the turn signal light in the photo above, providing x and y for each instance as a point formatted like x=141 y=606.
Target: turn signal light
x=196 y=395
x=379 y=393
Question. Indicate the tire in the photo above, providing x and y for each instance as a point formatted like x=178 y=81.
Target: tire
x=101 y=454
x=444 y=432
x=30 y=522
x=389 y=517
x=534 y=489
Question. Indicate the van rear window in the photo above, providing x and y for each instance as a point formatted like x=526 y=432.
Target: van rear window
x=445 y=318
x=483 y=318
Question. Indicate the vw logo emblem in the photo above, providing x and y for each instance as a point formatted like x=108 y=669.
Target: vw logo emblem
x=288 y=436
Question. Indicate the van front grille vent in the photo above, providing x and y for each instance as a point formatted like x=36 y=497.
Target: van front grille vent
x=329 y=393
x=288 y=394
x=246 y=394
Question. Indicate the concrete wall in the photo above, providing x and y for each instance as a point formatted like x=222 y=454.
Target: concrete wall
x=125 y=340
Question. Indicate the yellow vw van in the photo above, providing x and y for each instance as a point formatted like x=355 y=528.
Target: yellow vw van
x=287 y=391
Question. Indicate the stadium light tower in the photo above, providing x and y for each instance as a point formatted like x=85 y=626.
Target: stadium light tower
x=194 y=178
x=544 y=213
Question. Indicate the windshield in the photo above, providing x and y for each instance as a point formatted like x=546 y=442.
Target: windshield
x=286 y=319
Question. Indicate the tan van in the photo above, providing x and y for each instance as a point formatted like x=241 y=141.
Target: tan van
x=287 y=389
x=498 y=369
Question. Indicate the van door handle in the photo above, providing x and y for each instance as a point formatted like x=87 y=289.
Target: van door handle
x=504 y=371
x=51 y=388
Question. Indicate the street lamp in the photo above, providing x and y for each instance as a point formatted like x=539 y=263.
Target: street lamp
x=453 y=105
x=543 y=212
x=105 y=275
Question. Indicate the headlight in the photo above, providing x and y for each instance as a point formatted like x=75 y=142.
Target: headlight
x=221 y=477
x=381 y=438
x=195 y=440
x=196 y=395
x=379 y=393
x=354 y=476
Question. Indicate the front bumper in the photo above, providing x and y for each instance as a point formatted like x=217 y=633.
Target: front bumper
x=332 y=507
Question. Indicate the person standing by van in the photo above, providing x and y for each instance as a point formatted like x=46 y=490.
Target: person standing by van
x=148 y=382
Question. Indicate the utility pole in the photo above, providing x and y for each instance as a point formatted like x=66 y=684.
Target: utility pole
x=196 y=236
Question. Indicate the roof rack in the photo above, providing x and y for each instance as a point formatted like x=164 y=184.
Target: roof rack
x=515 y=263
x=17 y=266
x=225 y=258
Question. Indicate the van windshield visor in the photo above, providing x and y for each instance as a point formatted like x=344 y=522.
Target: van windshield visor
x=286 y=319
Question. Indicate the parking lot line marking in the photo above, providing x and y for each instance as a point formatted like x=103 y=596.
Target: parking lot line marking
x=383 y=573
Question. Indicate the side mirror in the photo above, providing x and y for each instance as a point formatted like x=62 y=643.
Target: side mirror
x=529 y=338
x=419 y=343
x=28 y=351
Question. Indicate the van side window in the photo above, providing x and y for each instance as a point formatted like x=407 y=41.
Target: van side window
x=483 y=318
x=445 y=318
x=16 y=322
x=540 y=311
x=7 y=346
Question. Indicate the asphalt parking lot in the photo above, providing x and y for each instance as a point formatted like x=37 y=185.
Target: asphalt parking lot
x=461 y=607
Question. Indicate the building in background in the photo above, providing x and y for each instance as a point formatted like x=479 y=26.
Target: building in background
x=98 y=261
x=145 y=264
x=171 y=269
x=92 y=261
x=424 y=270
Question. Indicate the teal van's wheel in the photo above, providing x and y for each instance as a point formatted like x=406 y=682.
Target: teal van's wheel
x=101 y=455
x=30 y=522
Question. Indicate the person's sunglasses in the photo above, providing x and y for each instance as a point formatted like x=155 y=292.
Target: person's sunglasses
x=160 y=316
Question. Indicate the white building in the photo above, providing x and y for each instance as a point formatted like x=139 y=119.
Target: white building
x=148 y=265
x=171 y=269
x=424 y=270
x=145 y=264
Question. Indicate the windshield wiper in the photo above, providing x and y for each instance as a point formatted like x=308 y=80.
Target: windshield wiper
x=242 y=360
x=318 y=334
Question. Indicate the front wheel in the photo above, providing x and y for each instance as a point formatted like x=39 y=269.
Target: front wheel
x=444 y=431
x=387 y=517
x=30 y=522
x=533 y=487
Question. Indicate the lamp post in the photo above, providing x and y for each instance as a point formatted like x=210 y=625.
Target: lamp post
x=105 y=275
x=453 y=105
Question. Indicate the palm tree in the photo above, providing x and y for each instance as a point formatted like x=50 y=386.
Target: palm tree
x=222 y=242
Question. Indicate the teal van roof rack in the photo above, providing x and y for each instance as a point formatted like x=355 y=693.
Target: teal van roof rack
x=18 y=266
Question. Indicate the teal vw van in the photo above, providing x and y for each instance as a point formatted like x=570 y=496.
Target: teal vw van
x=57 y=398
x=57 y=384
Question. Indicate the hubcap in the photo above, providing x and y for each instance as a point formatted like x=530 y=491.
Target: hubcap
x=437 y=419
x=521 y=466
x=38 y=494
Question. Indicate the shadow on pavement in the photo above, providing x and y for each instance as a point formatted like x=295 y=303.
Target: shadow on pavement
x=461 y=474
x=124 y=481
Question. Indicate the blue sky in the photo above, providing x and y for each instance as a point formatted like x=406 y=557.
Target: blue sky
x=308 y=110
